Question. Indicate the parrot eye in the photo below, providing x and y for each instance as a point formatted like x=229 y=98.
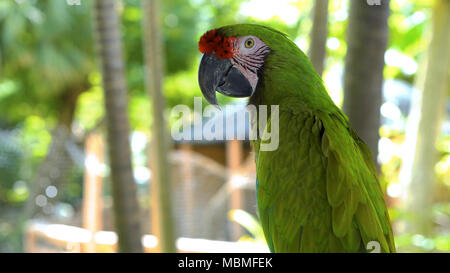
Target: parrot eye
x=249 y=43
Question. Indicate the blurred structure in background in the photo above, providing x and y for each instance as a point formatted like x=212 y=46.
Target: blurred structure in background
x=93 y=187
x=209 y=178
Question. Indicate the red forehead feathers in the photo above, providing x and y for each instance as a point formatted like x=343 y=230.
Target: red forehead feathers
x=212 y=41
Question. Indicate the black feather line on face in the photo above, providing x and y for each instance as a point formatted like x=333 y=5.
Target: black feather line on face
x=254 y=61
x=258 y=96
x=248 y=67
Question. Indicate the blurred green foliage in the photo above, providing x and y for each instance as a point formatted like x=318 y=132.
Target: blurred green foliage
x=40 y=57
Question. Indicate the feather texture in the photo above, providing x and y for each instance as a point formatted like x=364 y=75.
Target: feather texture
x=315 y=197
x=319 y=191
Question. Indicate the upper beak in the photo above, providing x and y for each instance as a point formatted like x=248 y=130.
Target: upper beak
x=215 y=74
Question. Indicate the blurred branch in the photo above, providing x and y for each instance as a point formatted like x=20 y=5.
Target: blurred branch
x=99 y=125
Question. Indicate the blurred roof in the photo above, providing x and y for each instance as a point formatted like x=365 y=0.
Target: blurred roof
x=233 y=119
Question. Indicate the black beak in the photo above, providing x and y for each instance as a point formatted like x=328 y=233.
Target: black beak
x=215 y=74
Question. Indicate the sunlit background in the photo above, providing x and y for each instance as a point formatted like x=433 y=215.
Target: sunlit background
x=48 y=200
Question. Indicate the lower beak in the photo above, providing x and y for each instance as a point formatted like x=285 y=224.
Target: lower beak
x=220 y=75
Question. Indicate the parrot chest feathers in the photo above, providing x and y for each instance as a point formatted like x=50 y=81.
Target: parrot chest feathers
x=316 y=192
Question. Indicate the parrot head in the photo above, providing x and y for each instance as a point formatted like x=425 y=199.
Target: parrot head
x=235 y=57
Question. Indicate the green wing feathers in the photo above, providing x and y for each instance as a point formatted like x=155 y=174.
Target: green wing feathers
x=319 y=192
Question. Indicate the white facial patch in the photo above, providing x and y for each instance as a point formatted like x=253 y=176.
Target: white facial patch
x=249 y=57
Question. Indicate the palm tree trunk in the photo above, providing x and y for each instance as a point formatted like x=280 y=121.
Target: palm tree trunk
x=417 y=174
x=318 y=35
x=162 y=220
x=125 y=203
x=367 y=38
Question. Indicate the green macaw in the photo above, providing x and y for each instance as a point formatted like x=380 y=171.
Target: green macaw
x=318 y=191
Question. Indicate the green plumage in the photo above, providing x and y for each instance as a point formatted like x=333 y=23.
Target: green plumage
x=319 y=191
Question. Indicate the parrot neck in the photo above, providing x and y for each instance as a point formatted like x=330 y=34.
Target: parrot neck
x=291 y=79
